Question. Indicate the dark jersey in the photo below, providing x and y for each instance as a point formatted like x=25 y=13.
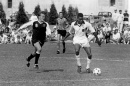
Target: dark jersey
x=126 y=17
x=39 y=31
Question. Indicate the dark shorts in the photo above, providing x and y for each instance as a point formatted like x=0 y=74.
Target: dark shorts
x=36 y=40
x=62 y=32
x=108 y=35
x=126 y=19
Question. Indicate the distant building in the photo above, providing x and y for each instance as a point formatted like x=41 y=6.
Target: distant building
x=93 y=6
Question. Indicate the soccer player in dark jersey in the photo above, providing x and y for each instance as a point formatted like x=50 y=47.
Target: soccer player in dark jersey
x=126 y=18
x=61 y=27
x=40 y=31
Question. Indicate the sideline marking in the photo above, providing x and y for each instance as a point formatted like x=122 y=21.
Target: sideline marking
x=35 y=81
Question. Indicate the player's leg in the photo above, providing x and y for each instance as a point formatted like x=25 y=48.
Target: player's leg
x=63 y=42
x=88 y=51
x=38 y=47
x=77 y=55
x=58 y=43
x=121 y=27
x=118 y=26
x=31 y=57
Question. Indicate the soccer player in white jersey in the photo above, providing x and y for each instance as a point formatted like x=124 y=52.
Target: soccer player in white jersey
x=80 y=27
x=120 y=21
x=115 y=17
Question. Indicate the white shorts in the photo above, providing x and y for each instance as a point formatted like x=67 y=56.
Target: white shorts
x=83 y=42
x=126 y=22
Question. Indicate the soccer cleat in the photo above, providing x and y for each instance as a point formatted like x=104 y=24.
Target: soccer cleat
x=64 y=50
x=36 y=66
x=58 y=52
x=88 y=70
x=28 y=64
x=79 y=69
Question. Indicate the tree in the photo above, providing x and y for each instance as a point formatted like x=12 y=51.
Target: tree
x=37 y=10
x=21 y=16
x=76 y=11
x=2 y=14
x=70 y=14
x=46 y=15
x=53 y=14
x=64 y=11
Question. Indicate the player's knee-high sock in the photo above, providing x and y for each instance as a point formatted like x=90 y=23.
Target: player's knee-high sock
x=88 y=61
x=63 y=44
x=31 y=56
x=78 y=60
x=37 y=58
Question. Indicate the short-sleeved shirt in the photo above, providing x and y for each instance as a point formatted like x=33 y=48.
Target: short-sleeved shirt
x=61 y=23
x=115 y=16
x=40 y=30
x=120 y=18
x=106 y=29
x=81 y=30
x=126 y=17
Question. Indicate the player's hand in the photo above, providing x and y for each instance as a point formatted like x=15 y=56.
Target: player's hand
x=49 y=37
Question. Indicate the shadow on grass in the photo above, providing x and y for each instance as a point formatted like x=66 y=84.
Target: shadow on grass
x=50 y=70
x=70 y=53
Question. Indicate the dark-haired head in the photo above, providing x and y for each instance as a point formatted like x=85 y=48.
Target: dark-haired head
x=80 y=18
x=61 y=14
x=80 y=15
x=41 y=12
x=41 y=16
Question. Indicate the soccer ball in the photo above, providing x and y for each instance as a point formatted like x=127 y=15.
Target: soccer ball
x=97 y=71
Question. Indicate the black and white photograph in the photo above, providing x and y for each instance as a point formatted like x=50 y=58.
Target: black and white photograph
x=64 y=43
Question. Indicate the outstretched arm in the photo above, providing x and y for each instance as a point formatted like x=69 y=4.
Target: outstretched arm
x=48 y=30
x=24 y=26
x=69 y=33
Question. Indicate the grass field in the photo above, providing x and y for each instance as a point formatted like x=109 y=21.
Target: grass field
x=60 y=70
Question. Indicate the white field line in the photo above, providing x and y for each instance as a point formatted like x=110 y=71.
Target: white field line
x=72 y=58
x=84 y=80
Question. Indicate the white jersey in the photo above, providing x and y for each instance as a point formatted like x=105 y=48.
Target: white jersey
x=116 y=36
x=120 y=18
x=4 y=38
x=100 y=35
x=106 y=29
x=80 y=33
x=115 y=16
x=125 y=32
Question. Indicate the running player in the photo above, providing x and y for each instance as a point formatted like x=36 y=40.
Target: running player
x=61 y=27
x=40 y=31
x=80 y=27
